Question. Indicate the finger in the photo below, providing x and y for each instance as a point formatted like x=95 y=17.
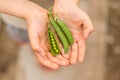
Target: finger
x=87 y=26
x=46 y=62
x=57 y=60
x=67 y=55
x=62 y=58
x=73 y=58
x=81 y=50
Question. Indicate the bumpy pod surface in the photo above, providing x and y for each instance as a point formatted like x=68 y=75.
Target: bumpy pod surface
x=54 y=48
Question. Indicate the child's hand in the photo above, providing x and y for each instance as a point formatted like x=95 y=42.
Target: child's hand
x=78 y=22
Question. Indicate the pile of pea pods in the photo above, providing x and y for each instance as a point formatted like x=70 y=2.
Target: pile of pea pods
x=63 y=33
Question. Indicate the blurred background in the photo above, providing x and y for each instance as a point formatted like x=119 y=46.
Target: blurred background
x=102 y=60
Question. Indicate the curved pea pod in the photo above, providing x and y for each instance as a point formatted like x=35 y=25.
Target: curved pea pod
x=61 y=35
x=54 y=48
x=65 y=30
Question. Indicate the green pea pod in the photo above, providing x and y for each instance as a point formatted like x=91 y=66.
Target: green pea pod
x=65 y=30
x=54 y=48
x=61 y=35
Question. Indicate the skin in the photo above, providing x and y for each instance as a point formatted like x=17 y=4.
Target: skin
x=79 y=24
x=37 y=29
x=37 y=19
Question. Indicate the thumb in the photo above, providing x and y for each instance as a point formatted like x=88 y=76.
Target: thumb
x=87 y=26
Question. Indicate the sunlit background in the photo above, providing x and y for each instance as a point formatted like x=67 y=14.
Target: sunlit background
x=102 y=59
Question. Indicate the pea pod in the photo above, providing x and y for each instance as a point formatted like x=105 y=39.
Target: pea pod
x=54 y=48
x=65 y=30
x=61 y=35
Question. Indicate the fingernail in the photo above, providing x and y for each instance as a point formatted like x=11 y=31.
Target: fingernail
x=73 y=61
x=55 y=66
x=81 y=59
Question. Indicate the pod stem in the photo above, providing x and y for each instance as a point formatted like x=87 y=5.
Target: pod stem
x=50 y=11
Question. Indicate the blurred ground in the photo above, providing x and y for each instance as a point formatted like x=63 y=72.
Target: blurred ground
x=8 y=56
x=98 y=64
x=113 y=51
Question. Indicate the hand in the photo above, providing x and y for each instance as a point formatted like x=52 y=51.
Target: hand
x=37 y=31
x=79 y=24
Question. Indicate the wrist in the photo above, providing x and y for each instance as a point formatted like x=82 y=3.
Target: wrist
x=34 y=11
